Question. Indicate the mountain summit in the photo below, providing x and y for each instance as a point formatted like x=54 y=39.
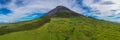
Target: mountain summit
x=61 y=11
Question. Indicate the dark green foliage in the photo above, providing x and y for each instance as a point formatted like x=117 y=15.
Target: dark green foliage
x=29 y=25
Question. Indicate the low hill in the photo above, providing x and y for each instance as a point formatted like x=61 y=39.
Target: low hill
x=61 y=24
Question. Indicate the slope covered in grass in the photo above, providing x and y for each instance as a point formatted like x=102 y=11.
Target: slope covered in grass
x=74 y=28
x=61 y=24
x=22 y=26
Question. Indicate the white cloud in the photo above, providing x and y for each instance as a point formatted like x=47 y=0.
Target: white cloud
x=105 y=10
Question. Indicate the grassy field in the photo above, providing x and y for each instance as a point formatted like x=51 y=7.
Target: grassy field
x=62 y=24
x=73 y=28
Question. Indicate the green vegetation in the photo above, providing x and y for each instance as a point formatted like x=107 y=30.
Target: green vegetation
x=64 y=25
x=22 y=26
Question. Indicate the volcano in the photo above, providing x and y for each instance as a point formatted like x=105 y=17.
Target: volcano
x=61 y=23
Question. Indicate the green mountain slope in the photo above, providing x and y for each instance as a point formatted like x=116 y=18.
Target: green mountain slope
x=61 y=24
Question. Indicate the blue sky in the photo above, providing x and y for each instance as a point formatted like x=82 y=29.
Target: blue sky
x=21 y=10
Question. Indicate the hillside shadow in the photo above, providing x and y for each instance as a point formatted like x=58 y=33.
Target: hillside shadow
x=24 y=27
